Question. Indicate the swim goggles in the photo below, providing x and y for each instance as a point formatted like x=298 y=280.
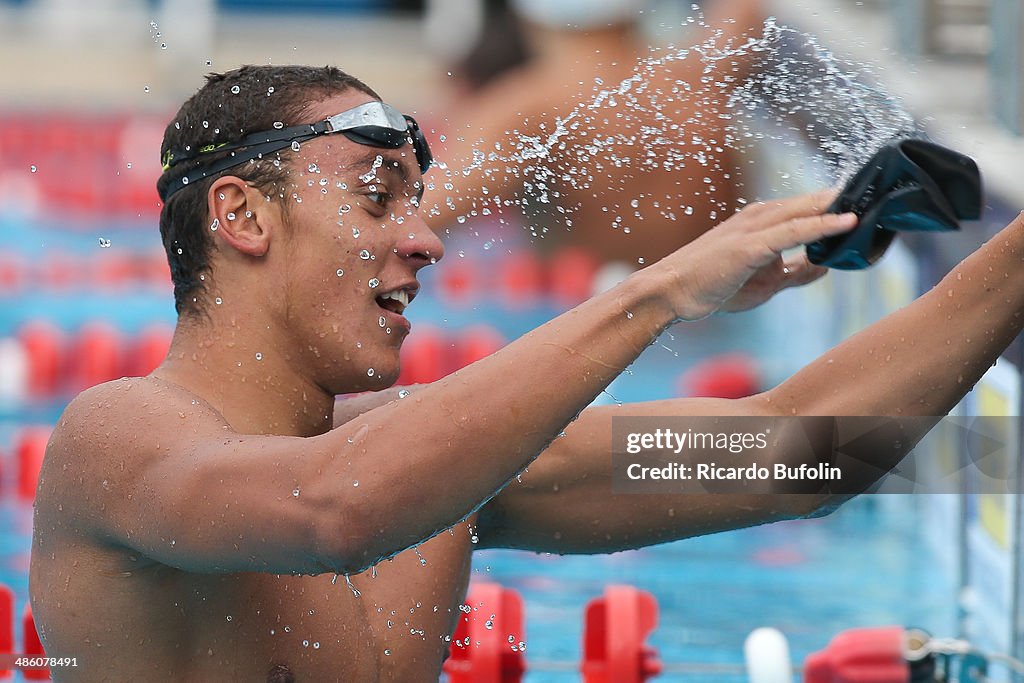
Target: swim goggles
x=909 y=185
x=374 y=124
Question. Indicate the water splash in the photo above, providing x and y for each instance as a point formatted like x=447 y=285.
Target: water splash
x=792 y=84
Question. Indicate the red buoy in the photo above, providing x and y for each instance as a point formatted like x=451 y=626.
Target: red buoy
x=6 y=628
x=43 y=344
x=32 y=646
x=615 y=628
x=488 y=643
x=476 y=342
x=424 y=357
x=729 y=375
x=148 y=350
x=96 y=357
x=861 y=655
x=521 y=279
x=30 y=449
x=571 y=273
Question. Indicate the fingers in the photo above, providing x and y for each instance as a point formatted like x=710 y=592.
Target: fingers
x=807 y=229
x=810 y=204
x=799 y=271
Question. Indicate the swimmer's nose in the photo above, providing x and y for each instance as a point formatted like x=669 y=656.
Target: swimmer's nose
x=420 y=245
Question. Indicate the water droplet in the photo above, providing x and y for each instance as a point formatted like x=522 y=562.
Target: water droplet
x=278 y=125
x=235 y=90
x=373 y=283
x=145 y=89
x=387 y=653
x=369 y=372
x=295 y=492
x=229 y=617
x=270 y=91
x=259 y=356
x=184 y=180
x=364 y=254
x=355 y=483
x=340 y=272
x=316 y=645
x=343 y=209
x=305 y=643
x=382 y=321
x=402 y=393
x=104 y=243
x=313 y=168
x=355 y=233
x=215 y=224
x=218 y=301
x=33 y=168
x=231 y=215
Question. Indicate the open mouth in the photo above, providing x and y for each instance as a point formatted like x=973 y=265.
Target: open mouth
x=396 y=301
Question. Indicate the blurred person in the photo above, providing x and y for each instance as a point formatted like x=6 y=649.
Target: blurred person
x=627 y=204
x=191 y=525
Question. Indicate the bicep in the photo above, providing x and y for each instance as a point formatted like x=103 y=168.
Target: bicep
x=177 y=485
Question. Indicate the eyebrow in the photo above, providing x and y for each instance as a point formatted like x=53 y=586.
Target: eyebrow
x=388 y=165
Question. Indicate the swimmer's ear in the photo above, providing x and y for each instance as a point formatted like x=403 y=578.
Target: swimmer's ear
x=243 y=221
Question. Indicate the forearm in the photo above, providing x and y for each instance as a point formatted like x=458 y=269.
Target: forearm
x=922 y=359
x=452 y=444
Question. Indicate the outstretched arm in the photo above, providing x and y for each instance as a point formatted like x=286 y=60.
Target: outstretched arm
x=918 y=361
x=423 y=463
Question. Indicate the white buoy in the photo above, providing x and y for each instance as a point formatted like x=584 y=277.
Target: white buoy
x=13 y=371
x=766 y=652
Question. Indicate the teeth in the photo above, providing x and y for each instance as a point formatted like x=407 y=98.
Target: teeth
x=401 y=296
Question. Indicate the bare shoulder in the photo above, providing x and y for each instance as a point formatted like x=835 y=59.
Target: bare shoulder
x=107 y=434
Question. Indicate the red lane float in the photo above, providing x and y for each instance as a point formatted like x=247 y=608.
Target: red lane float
x=96 y=356
x=861 y=655
x=521 y=279
x=30 y=449
x=729 y=375
x=571 y=276
x=486 y=646
x=476 y=342
x=6 y=628
x=32 y=646
x=615 y=628
x=43 y=344
x=423 y=357
x=148 y=350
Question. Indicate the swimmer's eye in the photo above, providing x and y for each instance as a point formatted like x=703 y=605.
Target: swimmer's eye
x=378 y=197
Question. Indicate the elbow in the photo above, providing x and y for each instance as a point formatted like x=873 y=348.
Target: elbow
x=343 y=543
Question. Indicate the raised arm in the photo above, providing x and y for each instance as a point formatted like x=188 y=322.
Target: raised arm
x=404 y=471
x=918 y=361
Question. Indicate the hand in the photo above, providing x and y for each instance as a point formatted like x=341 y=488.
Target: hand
x=738 y=265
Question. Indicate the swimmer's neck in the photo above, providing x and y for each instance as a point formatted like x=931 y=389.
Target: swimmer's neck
x=239 y=372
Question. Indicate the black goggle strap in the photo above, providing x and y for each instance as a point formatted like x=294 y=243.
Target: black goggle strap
x=373 y=124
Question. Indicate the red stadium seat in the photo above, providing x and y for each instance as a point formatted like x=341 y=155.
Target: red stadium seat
x=32 y=646
x=571 y=274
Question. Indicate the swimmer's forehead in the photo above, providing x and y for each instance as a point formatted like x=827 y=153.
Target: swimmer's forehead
x=360 y=159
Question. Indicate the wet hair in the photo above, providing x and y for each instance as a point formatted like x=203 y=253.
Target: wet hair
x=228 y=107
